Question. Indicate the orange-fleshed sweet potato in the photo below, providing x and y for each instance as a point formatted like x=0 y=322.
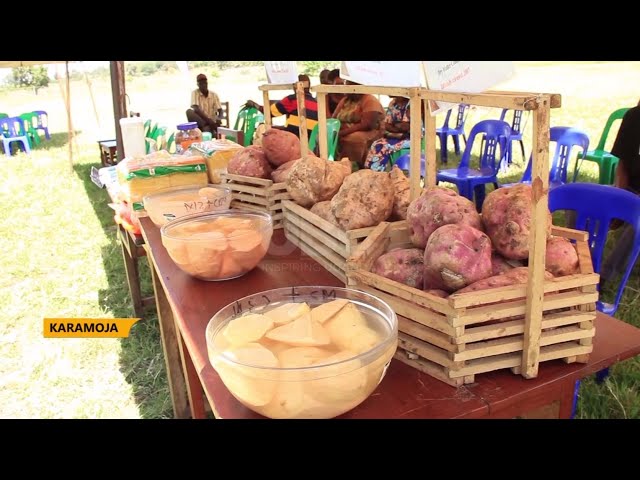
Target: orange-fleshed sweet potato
x=280 y=146
x=251 y=162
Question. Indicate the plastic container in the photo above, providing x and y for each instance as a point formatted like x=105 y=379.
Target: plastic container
x=218 y=245
x=187 y=134
x=280 y=380
x=169 y=204
x=206 y=136
x=132 y=129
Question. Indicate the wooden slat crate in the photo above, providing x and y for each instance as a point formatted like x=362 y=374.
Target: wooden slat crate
x=257 y=194
x=329 y=245
x=455 y=338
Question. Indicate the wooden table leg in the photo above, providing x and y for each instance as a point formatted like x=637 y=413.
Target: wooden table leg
x=171 y=346
x=194 y=387
x=131 y=267
x=566 y=402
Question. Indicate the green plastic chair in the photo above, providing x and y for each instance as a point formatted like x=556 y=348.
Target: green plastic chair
x=333 y=127
x=30 y=127
x=607 y=162
x=4 y=115
x=247 y=121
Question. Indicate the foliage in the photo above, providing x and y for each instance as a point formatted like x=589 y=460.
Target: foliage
x=35 y=77
x=314 y=68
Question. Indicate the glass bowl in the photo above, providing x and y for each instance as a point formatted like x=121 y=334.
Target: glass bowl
x=291 y=371
x=169 y=204
x=218 y=245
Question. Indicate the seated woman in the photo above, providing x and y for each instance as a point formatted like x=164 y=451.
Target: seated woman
x=396 y=135
x=361 y=123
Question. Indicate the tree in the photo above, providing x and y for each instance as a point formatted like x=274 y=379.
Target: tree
x=35 y=77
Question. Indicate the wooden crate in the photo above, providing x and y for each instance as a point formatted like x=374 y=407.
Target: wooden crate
x=257 y=194
x=329 y=245
x=455 y=338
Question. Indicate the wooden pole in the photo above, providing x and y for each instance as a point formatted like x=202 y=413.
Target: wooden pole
x=266 y=108
x=322 y=126
x=69 y=124
x=537 y=238
x=119 y=103
x=430 y=146
x=415 y=130
x=302 y=116
x=93 y=102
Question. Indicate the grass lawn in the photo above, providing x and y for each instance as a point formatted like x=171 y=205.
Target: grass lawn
x=59 y=256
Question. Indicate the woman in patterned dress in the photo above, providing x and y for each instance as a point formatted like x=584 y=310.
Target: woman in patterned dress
x=396 y=135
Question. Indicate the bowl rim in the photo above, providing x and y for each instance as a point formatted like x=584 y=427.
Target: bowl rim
x=165 y=230
x=374 y=352
x=164 y=191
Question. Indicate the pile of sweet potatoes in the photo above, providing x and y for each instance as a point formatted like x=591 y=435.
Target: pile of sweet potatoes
x=456 y=250
x=273 y=159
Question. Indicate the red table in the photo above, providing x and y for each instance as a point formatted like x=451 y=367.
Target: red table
x=185 y=306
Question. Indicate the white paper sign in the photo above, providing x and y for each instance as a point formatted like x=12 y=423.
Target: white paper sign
x=465 y=76
x=281 y=72
x=382 y=74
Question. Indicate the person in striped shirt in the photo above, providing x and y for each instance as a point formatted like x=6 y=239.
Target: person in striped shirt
x=289 y=106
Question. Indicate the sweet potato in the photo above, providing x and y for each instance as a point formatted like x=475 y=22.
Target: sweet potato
x=561 y=257
x=456 y=255
x=506 y=214
x=313 y=180
x=365 y=199
x=281 y=173
x=438 y=206
x=404 y=265
x=251 y=162
x=280 y=146
x=438 y=293
x=400 y=194
x=500 y=264
x=515 y=276
x=323 y=210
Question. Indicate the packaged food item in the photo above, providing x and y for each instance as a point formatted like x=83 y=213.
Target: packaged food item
x=138 y=177
x=217 y=153
x=187 y=134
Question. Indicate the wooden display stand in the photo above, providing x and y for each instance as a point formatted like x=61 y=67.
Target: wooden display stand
x=327 y=244
x=453 y=338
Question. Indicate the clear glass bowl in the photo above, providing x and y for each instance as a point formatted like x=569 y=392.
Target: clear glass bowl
x=169 y=204
x=316 y=390
x=218 y=245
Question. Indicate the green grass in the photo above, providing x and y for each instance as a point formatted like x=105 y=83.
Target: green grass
x=59 y=256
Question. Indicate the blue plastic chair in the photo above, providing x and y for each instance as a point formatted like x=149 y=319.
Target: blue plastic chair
x=595 y=206
x=333 y=128
x=469 y=180
x=12 y=130
x=517 y=129
x=566 y=138
x=404 y=161
x=43 y=122
x=455 y=132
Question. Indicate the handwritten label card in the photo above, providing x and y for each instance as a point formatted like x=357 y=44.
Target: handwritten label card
x=281 y=72
x=382 y=74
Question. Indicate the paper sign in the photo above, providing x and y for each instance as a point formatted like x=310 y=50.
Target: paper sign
x=281 y=72
x=465 y=76
x=382 y=74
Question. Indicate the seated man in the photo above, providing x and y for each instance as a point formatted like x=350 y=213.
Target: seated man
x=289 y=106
x=205 y=107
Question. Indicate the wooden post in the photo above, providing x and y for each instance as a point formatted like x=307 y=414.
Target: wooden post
x=68 y=105
x=415 y=130
x=267 y=108
x=431 y=161
x=93 y=102
x=537 y=238
x=302 y=116
x=322 y=125
x=119 y=104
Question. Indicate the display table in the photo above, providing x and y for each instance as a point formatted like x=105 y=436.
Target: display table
x=185 y=306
